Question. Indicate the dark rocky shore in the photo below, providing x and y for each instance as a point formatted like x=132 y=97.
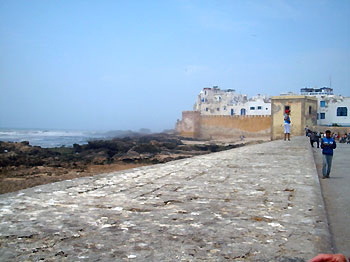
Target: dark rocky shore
x=23 y=165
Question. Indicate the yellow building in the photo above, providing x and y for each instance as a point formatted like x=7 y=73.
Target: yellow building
x=303 y=112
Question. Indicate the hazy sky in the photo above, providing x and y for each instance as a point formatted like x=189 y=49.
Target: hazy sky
x=104 y=65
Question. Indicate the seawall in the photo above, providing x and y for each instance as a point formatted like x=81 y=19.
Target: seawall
x=255 y=203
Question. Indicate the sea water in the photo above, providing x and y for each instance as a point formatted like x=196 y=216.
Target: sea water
x=49 y=138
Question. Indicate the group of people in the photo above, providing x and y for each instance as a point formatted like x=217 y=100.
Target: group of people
x=316 y=136
x=344 y=139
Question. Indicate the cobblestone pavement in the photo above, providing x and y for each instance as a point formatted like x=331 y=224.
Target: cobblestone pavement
x=255 y=203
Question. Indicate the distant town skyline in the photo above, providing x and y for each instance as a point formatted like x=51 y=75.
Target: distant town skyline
x=126 y=65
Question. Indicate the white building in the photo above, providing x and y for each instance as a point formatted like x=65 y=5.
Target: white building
x=309 y=91
x=332 y=109
x=214 y=101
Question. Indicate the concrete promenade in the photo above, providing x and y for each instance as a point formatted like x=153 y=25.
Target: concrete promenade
x=254 y=203
x=337 y=196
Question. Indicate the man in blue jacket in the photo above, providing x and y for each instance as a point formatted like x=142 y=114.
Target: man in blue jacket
x=327 y=145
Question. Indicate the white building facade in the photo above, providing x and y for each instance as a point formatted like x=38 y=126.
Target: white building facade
x=214 y=101
x=332 y=109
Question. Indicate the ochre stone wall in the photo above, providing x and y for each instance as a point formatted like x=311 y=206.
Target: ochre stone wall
x=278 y=111
x=303 y=113
x=190 y=124
x=310 y=118
x=234 y=126
x=300 y=115
x=196 y=125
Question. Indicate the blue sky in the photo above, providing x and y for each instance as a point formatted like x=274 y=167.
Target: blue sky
x=102 y=65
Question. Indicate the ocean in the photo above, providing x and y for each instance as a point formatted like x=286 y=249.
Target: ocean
x=49 y=138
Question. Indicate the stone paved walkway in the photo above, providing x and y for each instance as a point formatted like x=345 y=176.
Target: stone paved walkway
x=337 y=195
x=255 y=203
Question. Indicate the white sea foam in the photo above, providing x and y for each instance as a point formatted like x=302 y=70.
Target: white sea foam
x=48 y=138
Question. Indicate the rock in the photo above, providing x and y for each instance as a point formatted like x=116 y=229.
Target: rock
x=131 y=152
x=77 y=148
x=100 y=158
x=146 y=148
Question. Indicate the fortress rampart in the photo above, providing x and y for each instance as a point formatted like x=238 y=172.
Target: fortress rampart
x=219 y=126
x=260 y=202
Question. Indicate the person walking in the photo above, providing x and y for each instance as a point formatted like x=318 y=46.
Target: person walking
x=317 y=139
x=307 y=130
x=287 y=125
x=314 y=138
x=327 y=145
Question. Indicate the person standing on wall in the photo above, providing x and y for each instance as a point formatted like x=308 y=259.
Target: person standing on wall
x=327 y=145
x=287 y=125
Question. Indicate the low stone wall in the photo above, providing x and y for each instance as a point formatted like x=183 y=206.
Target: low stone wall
x=333 y=129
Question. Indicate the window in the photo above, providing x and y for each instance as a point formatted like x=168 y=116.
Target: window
x=322 y=115
x=243 y=112
x=217 y=109
x=206 y=109
x=322 y=103
x=342 y=111
x=259 y=107
x=310 y=110
x=202 y=99
x=252 y=108
x=318 y=116
x=267 y=108
x=225 y=108
x=232 y=112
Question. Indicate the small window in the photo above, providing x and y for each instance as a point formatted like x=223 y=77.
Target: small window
x=267 y=108
x=342 y=111
x=225 y=108
x=318 y=116
x=206 y=109
x=218 y=109
x=259 y=107
x=322 y=115
x=322 y=103
x=202 y=100
x=232 y=112
x=310 y=110
x=252 y=108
